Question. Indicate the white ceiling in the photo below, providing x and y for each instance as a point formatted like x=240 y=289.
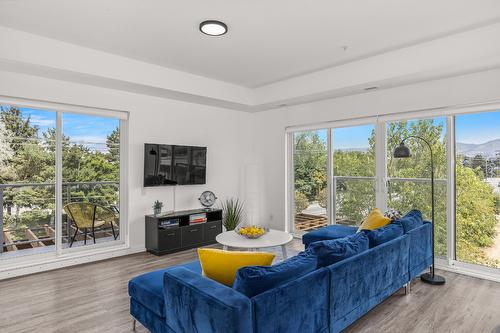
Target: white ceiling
x=268 y=41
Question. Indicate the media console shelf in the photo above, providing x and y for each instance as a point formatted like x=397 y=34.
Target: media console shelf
x=173 y=232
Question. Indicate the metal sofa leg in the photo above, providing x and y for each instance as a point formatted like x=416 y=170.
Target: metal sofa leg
x=408 y=288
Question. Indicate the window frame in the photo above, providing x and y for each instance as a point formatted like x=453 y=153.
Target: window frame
x=450 y=262
x=59 y=109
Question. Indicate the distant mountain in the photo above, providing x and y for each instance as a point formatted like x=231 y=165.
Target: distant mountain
x=487 y=149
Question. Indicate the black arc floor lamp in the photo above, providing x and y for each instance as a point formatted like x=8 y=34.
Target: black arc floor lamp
x=403 y=151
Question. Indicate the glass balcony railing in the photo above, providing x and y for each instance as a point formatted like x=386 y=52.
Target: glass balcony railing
x=354 y=198
x=405 y=194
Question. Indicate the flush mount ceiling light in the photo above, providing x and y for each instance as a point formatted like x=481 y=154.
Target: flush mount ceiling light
x=213 y=28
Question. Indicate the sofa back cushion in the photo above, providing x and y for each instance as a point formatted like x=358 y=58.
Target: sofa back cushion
x=253 y=280
x=384 y=234
x=332 y=251
x=413 y=219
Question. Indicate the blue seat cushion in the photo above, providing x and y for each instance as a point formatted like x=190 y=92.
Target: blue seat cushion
x=253 y=280
x=329 y=232
x=413 y=219
x=335 y=250
x=384 y=234
x=147 y=289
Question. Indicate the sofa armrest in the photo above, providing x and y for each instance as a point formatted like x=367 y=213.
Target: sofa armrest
x=420 y=249
x=194 y=303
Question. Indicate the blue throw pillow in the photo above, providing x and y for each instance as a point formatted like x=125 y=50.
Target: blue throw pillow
x=253 y=280
x=335 y=250
x=384 y=234
x=328 y=232
x=412 y=220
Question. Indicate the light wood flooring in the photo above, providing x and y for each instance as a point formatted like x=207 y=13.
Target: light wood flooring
x=93 y=298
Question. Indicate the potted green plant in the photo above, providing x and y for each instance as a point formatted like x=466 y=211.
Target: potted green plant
x=232 y=213
x=157 y=206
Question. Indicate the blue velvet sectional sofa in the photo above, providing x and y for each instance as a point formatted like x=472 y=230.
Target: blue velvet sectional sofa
x=325 y=299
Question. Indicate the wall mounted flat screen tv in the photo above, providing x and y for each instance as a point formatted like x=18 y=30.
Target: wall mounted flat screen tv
x=174 y=165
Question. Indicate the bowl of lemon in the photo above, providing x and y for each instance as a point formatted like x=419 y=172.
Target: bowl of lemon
x=252 y=231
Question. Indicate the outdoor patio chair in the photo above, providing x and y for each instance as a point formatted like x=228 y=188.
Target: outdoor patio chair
x=108 y=216
x=88 y=216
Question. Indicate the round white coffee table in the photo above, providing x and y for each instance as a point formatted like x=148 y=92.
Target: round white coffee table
x=272 y=238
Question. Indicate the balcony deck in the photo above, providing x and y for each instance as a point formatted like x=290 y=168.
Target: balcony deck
x=39 y=237
x=46 y=243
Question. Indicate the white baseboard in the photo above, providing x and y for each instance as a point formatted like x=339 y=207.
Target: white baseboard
x=50 y=263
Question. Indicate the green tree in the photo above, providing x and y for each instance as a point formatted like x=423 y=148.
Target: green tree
x=475 y=216
x=301 y=202
x=354 y=197
x=30 y=158
x=21 y=129
x=478 y=161
x=415 y=194
x=310 y=156
x=6 y=152
x=113 y=145
x=29 y=162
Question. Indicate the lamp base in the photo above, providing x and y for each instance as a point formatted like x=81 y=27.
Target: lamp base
x=430 y=279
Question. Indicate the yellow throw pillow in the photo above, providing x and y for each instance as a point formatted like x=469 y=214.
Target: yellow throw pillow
x=374 y=220
x=221 y=266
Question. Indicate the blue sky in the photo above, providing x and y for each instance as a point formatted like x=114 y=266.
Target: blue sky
x=478 y=127
x=349 y=137
x=472 y=128
x=84 y=129
x=352 y=137
x=357 y=136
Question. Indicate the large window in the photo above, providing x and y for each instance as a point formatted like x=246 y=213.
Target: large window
x=38 y=147
x=354 y=171
x=477 y=148
x=409 y=179
x=353 y=162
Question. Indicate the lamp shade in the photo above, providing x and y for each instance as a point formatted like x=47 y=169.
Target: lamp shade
x=401 y=151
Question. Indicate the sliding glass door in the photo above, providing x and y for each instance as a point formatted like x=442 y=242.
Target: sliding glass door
x=477 y=149
x=90 y=179
x=59 y=181
x=27 y=181
x=310 y=175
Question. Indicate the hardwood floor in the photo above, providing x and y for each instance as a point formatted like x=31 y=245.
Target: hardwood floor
x=93 y=298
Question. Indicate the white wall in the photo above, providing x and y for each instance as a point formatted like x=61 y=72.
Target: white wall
x=243 y=148
x=270 y=139
x=226 y=133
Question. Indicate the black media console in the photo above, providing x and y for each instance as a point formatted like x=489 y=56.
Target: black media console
x=182 y=230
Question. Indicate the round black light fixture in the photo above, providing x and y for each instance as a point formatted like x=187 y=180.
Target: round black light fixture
x=213 y=28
